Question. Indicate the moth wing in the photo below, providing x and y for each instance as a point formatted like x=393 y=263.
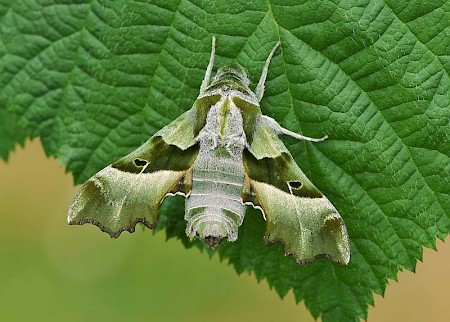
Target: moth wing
x=131 y=189
x=297 y=213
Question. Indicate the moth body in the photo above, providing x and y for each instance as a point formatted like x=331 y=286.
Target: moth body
x=222 y=155
x=214 y=208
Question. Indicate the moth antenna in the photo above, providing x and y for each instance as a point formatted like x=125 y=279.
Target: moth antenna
x=281 y=130
x=205 y=81
x=259 y=91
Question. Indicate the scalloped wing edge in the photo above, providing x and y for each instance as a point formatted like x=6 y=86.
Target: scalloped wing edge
x=308 y=228
x=115 y=200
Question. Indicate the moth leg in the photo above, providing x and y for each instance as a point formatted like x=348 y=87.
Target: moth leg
x=236 y=139
x=209 y=138
x=205 y=81
x=235 y=143
x=259 y=91
x=280 y=130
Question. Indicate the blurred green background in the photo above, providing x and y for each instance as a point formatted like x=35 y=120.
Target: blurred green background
x=50 y=271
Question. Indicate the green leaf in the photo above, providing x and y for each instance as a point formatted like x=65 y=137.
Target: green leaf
x=10 y=133
x=94 y=79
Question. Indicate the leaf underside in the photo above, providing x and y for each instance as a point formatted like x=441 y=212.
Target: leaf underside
x=94 y=80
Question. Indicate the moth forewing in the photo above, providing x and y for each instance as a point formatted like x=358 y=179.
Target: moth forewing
x=131 y=189
x=222 y=155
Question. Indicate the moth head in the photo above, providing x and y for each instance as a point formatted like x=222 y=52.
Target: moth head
x=233 y=71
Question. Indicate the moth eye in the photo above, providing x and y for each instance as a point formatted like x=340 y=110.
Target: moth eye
x=295 y=184
x=140 y=163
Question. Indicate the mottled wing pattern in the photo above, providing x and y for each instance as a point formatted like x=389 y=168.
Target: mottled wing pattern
x=131 y=189
x=297 y=213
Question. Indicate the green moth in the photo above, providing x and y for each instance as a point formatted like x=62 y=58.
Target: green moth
x=222 y=155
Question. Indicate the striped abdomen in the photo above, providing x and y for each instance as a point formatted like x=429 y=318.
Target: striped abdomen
x=214 y=209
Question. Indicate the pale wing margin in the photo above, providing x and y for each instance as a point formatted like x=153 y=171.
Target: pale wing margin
x=115 y=200
x=309 y=228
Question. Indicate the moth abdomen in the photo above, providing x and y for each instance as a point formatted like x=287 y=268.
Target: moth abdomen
x=214 y=209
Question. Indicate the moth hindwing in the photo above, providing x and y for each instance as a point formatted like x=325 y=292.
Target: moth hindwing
x=222 y=155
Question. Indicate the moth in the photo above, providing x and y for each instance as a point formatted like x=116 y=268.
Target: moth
x=222 y=155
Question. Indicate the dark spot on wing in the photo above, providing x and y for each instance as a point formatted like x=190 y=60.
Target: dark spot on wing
x=295 y=184
x=140 y=162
